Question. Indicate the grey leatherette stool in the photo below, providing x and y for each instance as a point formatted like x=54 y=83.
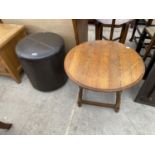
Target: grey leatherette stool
x=42 y=57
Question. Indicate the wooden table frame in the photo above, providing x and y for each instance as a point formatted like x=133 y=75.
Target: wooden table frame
x=5 y=125
x=103 y=66
x=115 y=106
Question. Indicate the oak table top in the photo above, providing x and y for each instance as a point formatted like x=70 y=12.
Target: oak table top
x=104 y=66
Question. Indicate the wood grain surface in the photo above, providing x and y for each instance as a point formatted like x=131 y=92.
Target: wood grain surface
x=10 y=34
x=8 y=31
x=104 y=66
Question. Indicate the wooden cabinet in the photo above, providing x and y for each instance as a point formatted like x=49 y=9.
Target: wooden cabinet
x=10 y=34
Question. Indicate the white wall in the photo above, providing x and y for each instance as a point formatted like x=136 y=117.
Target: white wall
x=62 y=27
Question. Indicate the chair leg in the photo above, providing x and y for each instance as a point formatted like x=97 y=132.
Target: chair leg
x=98 y=31
x=134 y=29
x=5 y=125
x=112 y=29
x=149 y=48
x=150 y=65
x=124 y=33
x=141 y=41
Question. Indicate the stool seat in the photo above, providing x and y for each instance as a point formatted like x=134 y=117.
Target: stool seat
x=117 y=22
x=42 y=55
x=39 y=46
x=112 y=24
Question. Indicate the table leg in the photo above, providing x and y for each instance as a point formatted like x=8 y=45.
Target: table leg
x=115 y=106
x=80 y=96
x=118 y=101
x=5 y=125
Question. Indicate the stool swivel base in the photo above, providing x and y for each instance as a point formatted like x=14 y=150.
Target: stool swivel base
x=115 y=106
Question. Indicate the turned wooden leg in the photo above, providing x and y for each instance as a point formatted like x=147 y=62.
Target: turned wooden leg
x=5 y=125
x=118 y=101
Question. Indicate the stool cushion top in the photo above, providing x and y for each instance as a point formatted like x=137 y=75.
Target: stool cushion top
x=39 y=45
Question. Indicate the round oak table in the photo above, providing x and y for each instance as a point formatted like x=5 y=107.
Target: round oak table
x=104 y=66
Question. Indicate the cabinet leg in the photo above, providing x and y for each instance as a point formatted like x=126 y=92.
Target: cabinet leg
x=5 y=125
x=17 y=78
